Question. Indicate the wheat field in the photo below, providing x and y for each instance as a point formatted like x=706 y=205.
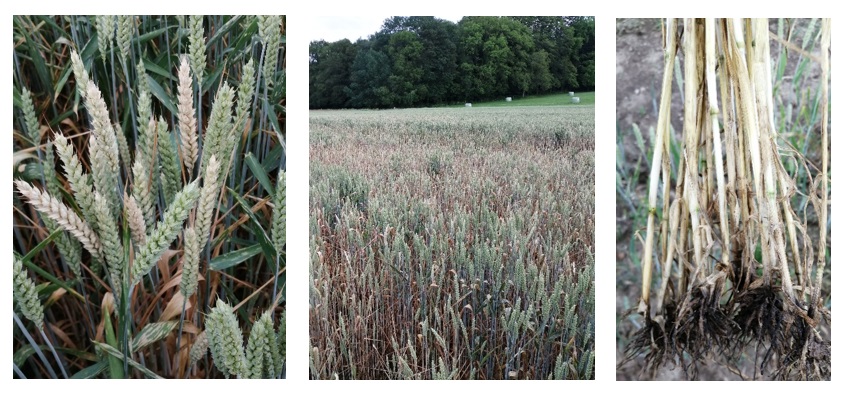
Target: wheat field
x=452 y=243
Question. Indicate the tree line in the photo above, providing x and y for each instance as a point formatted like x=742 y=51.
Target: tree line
x=423 y=61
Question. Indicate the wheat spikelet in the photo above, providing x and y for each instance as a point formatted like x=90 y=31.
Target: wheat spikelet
x=187 y=122
x=124 y=35
x=33 y=131
x=103 y=149
x=135 y=217
x=190 y=262
x=269 y=31
x=112 y=247
x=64 y=216
x=198 y=350
x=197 y=46
x=26 y=296
x=220 y=123
x=105 y=25
x=165 y=232
x=225 y=340
x=208 y=199
x=245 y=95
x=262 y=348
x=170 y=161
x=80 y=74
x=278 y=229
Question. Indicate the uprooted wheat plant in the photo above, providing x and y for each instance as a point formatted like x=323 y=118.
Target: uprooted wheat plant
x=131 y=246
x=452 y=244
x=742 y=221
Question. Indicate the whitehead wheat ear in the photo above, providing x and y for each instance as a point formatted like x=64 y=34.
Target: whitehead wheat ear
x=64 y=216
x=225 y=340
x=26 y=296
x=187 y=122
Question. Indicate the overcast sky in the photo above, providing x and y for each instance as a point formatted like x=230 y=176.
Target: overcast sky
x=334 y=28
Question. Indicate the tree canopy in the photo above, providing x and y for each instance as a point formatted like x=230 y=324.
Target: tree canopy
x=421 y=61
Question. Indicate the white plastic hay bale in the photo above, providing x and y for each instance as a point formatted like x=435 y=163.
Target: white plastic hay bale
x=570 y=93
x=468 y=105
x=508 y=99
x=575 y=100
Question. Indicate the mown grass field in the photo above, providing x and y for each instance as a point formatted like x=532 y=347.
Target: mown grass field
x=452 y=243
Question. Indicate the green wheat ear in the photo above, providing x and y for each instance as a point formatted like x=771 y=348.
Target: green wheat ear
x=198 y=350
x=26 y=296
x=225 y=340
x=278 y=230
x=262 y=355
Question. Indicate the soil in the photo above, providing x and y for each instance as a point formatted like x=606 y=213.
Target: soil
x=639 y=67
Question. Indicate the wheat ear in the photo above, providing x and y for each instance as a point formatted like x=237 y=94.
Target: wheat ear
x=81 y=75
x=124 y=35
x=245 y=95
x=187 y=122
x=278 y=230
x=262 y=348
x=103 y=149
x=170 y=162
x=64 y=216
x=198 y=350
x=225 y=340
x=33 y=131
x=26 y=296
x=208 y=199
x=165 y=232
x=135 y=216
x=123 y=145
x=105 y=34
x=110 y=238
x=197 y=46
x=271 y=35
x=79 y=180
x=220 y=123
x=190 y=262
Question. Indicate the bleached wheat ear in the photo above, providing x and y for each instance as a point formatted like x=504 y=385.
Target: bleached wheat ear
x=64 y=216
x=278 y=222
x=190 y=262
x=26 y=296
x=208 y=199
x=136 y=221
x=105 y=34
x=112 y=247
x=165 y=232
x=225 y=340
x=197 y=46
x=103 y=149
x=262 y=350
x=187 y=122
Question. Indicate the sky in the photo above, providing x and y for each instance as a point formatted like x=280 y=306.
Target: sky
x=334 y=28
